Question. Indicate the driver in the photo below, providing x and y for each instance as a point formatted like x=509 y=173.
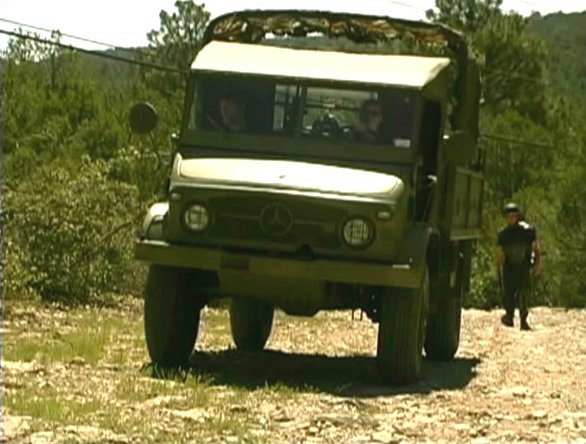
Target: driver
x=233 y=112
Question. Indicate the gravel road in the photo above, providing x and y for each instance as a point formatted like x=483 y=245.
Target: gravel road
x=317 y=383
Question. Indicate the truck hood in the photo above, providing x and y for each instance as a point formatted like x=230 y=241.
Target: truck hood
x=291 y=175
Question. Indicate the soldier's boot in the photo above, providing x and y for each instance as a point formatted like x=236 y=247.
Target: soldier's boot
x=524 y=324
x=507 y=320
x=524 y=309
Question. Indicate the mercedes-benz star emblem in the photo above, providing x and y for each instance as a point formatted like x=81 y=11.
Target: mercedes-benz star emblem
x=276 y=219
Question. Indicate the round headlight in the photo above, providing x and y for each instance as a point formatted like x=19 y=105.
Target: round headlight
x=358 y=232
x=197 y=217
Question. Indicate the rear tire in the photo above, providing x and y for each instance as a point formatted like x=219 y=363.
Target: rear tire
x=171 y=315
x=401 y=333
x=442 y=337
x=251 y=322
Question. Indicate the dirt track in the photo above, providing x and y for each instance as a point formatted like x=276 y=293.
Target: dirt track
x=317 y=383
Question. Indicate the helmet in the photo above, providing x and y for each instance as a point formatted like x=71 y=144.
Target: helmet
x=511 y=207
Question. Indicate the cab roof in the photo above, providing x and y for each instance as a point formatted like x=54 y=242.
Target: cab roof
x=406 y=71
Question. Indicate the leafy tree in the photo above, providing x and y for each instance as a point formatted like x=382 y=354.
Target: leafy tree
x=467 y=16
x=512 y=165
x=515 y=74
x=175 y=45
x=28 y=50
x=565 y=37
x=514 y=60
x=21 y=80
x=569 y=176
x=47 y=95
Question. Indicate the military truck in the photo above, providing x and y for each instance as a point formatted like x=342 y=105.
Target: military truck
x=291 y=209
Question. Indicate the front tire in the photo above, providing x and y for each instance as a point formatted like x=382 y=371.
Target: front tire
x=171 y=315
x=251 y=322
x=401 y=333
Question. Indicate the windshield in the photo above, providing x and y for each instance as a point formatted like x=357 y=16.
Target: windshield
x=289 y=110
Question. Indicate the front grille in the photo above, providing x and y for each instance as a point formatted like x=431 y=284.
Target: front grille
x=290 y=221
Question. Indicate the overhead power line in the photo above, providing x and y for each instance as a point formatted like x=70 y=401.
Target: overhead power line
x=530 y=3
x=95 y=53
x=407 y=5
x=513 y=140
x=71 y=36
x=512 y=75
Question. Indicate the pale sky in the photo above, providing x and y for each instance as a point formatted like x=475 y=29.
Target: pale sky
x=126 y=22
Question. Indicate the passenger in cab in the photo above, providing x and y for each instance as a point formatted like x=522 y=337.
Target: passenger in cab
x=371 y=119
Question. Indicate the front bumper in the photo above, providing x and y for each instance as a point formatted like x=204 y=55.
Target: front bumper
x=326 y=270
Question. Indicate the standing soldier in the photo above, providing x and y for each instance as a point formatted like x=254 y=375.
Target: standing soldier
x=518 y=251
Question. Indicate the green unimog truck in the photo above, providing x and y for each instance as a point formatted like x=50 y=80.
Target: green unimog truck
x=304 y=204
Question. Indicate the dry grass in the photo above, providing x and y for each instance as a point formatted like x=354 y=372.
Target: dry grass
x=90 y=367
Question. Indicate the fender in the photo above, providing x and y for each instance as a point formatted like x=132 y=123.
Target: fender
x=420 y=247
x=152 y=226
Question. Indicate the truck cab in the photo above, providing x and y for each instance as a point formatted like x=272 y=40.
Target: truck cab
x=309 y=179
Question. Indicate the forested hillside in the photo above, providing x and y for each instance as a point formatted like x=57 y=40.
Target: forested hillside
x=565 y=37
x=76 y=182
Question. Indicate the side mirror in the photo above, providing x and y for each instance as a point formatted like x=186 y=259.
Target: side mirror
x=143 y=118
x=459 y=148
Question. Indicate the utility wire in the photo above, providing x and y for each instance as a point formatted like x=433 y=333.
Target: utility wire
x=419 y=8
x=407 y=5
x=95 y=53
x=83 y=39
x=529 y=3
x=513 y=140
x=511 y=75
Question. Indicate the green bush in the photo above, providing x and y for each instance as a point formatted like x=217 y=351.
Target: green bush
x=103 y=136
x=146 y=169
x=484 y=289
x=67 y=231
x=19 y=277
